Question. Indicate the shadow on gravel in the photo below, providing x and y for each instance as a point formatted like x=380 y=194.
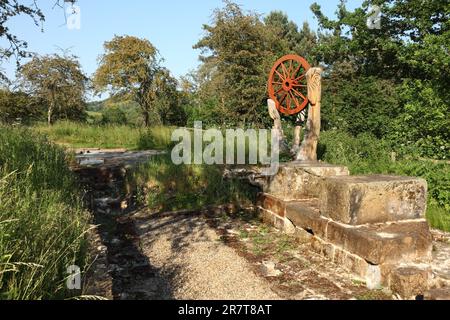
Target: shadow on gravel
x=131 y=274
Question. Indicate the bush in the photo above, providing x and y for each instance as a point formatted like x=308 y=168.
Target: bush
x=114 y=115
x=42 y=221
x=18 y=107
x=158 y=138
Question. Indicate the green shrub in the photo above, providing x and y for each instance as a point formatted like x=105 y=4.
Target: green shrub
x=42 y=221
x=114 y=115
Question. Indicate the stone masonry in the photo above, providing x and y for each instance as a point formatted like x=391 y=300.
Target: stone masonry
x=374 y=225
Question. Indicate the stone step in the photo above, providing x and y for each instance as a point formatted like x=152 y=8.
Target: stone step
x=438 y=294
x=358 y=200
x=296 y=180
x=376 y=243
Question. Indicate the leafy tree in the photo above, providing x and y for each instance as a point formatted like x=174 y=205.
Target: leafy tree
x=236 y=56
x=167 y=99
x=114 y=115
x=423 y=122
x=58 y=82
x=128 y=67
x=404 y=65
x=17 y=106
x=289 y=39
x=410 y=30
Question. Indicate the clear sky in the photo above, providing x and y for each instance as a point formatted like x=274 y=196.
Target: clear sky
x=173 y=26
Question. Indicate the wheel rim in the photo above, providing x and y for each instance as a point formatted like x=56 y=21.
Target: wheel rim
x=287 y=84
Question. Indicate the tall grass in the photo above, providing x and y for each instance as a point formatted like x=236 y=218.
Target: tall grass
x=81 y=135
x=42 y=222
x=192 y=186
x=363 y=155
x=165 y=186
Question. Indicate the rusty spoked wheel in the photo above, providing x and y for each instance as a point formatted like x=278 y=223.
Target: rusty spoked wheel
x=287 y=84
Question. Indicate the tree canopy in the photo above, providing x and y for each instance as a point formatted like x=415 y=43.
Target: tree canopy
x=58 y=82
x=131 y=66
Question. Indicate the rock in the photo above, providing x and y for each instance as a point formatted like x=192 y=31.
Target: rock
x=409 y=281
x=268 y=269
x=271 y=203
x=305 y=214
x=376 y=243
x=270 y=218
x=91 y=162
x=383 y=243
x=297 y=180
x=289 y=227
x=372 y=199
x=438 y=294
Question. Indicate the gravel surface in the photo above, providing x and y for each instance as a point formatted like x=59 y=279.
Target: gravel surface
x=197 y=265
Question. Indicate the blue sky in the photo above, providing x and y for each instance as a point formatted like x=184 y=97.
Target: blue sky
x=173 y=26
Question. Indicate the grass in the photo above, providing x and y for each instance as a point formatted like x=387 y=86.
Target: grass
x=80 y=135
x=42 y=221
x=164 y=186
x=363 y=155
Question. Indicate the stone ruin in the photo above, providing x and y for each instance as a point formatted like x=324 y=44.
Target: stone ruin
x=374 y=226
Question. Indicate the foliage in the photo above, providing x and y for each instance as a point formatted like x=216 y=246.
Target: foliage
x=42 y=222
x=58 y=82
x=15 y=47
x=165 y=186
x=130 y=68
x=156 y=138
x=235 y=55
x=422 y=126
x=79 y=135
x=18 y=107
x=114 y=115
x=391 y=81
x=364 y=105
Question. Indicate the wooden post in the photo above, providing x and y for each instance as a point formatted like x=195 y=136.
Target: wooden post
x=275 y=115
x=308 y=148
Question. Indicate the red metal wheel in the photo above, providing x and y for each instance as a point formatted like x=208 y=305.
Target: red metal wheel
x=287 y=84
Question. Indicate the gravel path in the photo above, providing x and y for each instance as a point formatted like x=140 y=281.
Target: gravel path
x=190 y=255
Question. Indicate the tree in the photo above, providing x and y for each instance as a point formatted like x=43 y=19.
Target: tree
x=57 y=81
x=129 y=66
x=167 y=99
x=392 y=81
x=236 y=52
x=17 y=106
x=289 y=39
